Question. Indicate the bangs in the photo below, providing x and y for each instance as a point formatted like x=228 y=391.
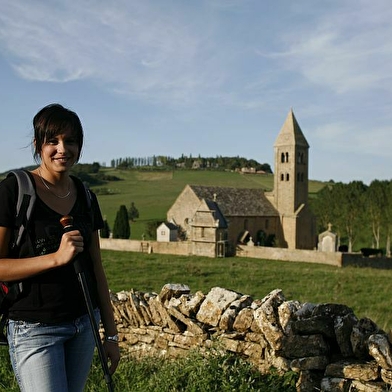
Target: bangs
x=54 y=120
x=54 y=129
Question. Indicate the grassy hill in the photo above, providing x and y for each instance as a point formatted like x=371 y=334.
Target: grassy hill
x=153 y=192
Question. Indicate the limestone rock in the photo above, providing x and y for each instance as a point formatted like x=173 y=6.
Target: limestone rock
x=314 y=325
x=244 y=319
x=380 y=349
x=365 y=371
x=190 y=325
x=343 y=326
x=361 y=386
x=386 y=376
x=309 y=363
x=329 y=384
x=229 y=315
x=297 y=346
x=267 y=318
x=170 y=290
x=359 y=336
x=286 y=312
x=190 y=305
x=215 y=303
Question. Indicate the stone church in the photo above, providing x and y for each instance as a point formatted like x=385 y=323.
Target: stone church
x=215 y=219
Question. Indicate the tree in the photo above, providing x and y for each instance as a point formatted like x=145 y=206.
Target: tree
x=133 y=212
x=388 y=219
x=352 y=207
x=151 y=228
x=121 y=228
x=377 y=202
x=325 y=208
x=105 y=231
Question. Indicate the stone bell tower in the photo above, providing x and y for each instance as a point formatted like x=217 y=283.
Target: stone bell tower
x=290 y=195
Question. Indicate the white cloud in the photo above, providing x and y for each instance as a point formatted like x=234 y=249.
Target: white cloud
x=345 y=49
x=346 y=137
x=133 y=46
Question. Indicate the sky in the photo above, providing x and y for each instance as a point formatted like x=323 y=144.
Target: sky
x=203 y=77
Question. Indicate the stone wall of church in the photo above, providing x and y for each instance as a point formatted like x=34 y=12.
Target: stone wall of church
x=337 y=259
x=326 y=344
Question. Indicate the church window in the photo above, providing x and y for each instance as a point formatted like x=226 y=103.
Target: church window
x=287 y=177
x=282 y=177
x=284 y=157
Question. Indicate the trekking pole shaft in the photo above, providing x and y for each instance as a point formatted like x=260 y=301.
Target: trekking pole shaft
x=67 y=222
x=94 y=327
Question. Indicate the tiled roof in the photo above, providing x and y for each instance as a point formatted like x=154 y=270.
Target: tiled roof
x=237 y=201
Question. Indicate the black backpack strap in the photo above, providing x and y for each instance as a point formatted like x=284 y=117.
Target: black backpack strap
x=3 y=323
x=25 y=203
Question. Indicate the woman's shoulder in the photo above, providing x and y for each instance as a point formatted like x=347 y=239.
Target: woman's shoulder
x=9 y=183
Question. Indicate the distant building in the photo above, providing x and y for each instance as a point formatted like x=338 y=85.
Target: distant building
x=215 y=219
x=167 y=232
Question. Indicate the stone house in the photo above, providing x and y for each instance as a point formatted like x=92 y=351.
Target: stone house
x=216 y=219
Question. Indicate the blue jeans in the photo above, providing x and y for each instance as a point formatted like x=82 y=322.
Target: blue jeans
x=51 y=358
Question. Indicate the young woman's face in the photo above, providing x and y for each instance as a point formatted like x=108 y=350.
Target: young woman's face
x=60 y=152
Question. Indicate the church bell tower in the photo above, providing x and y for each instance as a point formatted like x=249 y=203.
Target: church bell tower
x=291 y=180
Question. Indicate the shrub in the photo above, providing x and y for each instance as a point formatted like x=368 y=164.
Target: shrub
x=121 y=228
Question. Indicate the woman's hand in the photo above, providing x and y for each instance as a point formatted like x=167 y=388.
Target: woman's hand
x=71 y=244
x=112 y=352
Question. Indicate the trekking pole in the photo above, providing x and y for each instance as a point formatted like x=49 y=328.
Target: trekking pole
x=67 y=223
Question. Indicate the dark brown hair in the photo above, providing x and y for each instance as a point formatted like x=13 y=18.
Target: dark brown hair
x=53 y=120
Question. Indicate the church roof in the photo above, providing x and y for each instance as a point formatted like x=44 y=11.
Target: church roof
x=291 y=133
x=236 y=201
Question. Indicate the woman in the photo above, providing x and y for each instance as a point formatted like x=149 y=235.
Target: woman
x=51 y=343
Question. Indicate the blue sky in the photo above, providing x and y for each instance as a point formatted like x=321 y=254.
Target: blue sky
x=208 y=77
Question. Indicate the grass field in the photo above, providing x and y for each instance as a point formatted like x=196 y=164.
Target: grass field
x=365 y=290
x=153 y=192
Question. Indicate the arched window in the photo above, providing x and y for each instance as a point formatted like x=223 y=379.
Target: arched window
x=287 y=177
x=282 y=158
x=287 y=156
x=282 y=177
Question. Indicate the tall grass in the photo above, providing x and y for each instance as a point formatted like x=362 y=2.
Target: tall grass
x=194 y=373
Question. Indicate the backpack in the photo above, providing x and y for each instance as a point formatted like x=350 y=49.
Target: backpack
x=10 y=291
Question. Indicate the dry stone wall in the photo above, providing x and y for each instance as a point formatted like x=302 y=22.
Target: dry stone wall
x=330 y=348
